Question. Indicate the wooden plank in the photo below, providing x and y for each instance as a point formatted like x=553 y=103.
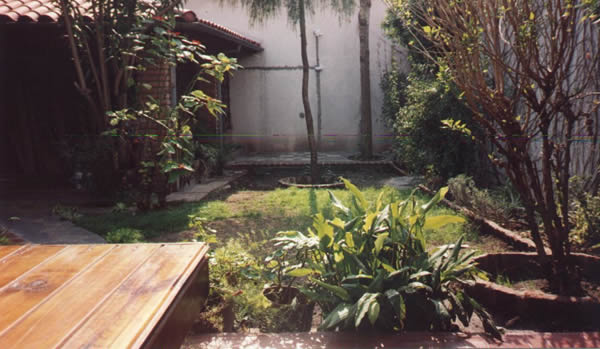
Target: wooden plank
x=24 y=260
x=6 y=250
x=22 y=295
x=120 y=321
x=52 y=321
x=178 y=320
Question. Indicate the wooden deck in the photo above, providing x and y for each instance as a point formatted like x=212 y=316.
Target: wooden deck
x=100 y=296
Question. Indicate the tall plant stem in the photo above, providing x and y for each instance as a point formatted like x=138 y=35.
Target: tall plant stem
x=366 y=132
x=310 y=129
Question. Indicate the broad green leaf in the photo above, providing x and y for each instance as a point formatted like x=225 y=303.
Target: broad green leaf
x=414 y=287
x=349 y=239
x=336 y=222
x=377 y=284
x=369 y=222
x=388 y=268
x=378 y=207
x=379 y=242
x=357 y=277
x=363 y=305
x=437 y=222
x=398 y=304
x=337 y=290
x=300 y=272
x=434 y=200
x=323 y=228
x=339 y=314
x=419 y=275
x=337 y=203
x=364 y=205
x=374 y=311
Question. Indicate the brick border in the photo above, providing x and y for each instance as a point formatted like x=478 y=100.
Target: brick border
x=535 y=305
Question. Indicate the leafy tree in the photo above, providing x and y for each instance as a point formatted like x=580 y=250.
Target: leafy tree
x=297 y=11
x=415 y=105
x=527 y=70
x=121 y=39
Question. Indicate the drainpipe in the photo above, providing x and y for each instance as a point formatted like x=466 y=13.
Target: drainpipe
x=318 y=70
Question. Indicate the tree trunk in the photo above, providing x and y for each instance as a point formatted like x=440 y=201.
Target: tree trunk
x=366 y=133
x=310 y=130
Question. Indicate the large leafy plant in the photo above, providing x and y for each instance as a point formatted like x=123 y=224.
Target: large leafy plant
x=370 y=265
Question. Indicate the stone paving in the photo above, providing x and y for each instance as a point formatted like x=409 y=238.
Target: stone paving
x=299 y=159
x=35 y=223
x=198 y=191
x=512 y=339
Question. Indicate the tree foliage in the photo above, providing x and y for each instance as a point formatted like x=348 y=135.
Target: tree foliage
x=112 y=42
x=527 y=70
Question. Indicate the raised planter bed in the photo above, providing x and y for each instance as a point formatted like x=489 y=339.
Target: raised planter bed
x=535 y=308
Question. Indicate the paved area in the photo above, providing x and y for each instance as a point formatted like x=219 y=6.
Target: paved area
x=299 y=159
x=403 y=182
x=512 y=339
x=198 y=191
x=35 y=223
x=26 y=211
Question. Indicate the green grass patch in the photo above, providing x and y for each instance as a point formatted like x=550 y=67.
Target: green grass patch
x=256 y=213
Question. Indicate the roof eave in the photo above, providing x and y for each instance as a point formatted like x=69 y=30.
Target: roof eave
x=199 y=27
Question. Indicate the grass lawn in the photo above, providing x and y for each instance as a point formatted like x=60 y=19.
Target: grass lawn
x=257 y=214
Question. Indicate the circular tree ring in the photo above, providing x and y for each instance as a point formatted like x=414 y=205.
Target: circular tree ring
x=304 y=182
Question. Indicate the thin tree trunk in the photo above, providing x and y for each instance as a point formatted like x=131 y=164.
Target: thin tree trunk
x=366 y=132
x=310 y=130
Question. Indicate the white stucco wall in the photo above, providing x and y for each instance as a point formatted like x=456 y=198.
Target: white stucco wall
x=266 y=103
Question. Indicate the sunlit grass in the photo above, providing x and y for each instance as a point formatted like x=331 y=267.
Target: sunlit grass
x=266 y=211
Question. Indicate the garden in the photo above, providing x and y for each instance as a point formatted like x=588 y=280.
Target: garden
x=503 y=232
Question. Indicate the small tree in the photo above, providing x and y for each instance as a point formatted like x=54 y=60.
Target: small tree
x=297 y=11
x=110 y=42
x=526 y=70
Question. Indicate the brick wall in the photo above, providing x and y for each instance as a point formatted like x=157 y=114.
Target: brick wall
x=159 y=77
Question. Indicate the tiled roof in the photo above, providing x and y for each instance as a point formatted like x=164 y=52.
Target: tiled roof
x=47 y=11
x=32 y=10
x=189 y=16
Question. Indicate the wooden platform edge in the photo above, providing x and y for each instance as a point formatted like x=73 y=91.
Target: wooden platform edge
x=176 y=321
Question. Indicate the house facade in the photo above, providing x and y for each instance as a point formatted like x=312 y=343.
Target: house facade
x=266 y=106
x=45 y=129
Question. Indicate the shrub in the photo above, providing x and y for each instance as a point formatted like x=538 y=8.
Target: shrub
x=237 y=279
x=124 y=236
x=584 y=214
x=415 y=106
x=372 y=262
x=500 y=204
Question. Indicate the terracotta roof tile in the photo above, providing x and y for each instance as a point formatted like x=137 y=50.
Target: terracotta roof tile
x=47 y=11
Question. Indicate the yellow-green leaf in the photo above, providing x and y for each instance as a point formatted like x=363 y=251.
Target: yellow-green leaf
x=437 y=222
x=300 y=272
x=369 y=221
x=379 y=242
x=349 y=240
